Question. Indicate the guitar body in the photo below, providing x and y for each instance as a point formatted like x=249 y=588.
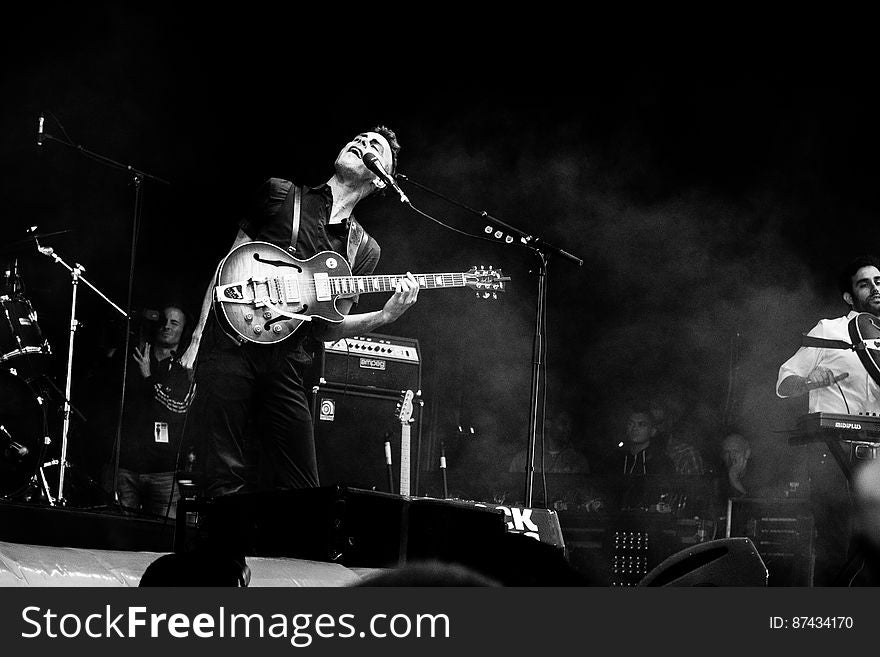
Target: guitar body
x=864 y=329
x=264 y=294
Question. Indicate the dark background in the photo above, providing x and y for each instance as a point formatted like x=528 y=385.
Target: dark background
x=712 y=203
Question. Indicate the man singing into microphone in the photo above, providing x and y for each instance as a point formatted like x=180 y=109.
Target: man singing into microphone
x=252 y=410
x=836 y=382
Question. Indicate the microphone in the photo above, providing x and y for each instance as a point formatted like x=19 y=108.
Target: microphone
x=373 y=164
x=40 y=131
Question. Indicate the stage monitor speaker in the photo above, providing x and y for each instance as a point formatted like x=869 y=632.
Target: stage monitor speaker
x=723 y=562
x=351 y=526
x=350 y=433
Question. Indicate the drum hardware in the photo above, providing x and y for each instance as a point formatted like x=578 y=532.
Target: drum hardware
x=76 y=276
x=22 y=344
x=11 y=280
x=27 y=240
x=23 y=434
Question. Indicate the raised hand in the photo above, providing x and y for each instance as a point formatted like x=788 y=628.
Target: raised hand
x=142 y=358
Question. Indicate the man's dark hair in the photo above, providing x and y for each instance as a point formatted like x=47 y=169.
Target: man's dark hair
x=641 y=408
x=391 y=136
x=844 y=281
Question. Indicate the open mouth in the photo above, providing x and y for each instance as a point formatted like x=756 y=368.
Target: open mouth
x=356 y=151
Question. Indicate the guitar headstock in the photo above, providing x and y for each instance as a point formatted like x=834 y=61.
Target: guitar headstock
x=405 y=407
x=486 y=281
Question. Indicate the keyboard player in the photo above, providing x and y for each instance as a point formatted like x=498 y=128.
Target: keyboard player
x=836 y=382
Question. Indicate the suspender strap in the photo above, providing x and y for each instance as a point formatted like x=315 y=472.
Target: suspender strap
x=297 y=208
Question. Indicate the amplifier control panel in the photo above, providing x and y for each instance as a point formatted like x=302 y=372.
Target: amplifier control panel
x=374 y=345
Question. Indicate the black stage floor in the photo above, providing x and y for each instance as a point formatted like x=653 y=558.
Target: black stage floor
x=102 y=528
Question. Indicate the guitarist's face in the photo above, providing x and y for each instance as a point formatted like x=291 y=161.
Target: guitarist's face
x=350 y=164
x=865 y=297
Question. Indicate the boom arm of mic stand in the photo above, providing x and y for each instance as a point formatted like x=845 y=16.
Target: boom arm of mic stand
x=528 y=240
x=105 y=160
x=50 y=252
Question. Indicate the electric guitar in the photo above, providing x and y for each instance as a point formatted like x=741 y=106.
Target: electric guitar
x=264 y=294
x=405 y=411
x=864 y=331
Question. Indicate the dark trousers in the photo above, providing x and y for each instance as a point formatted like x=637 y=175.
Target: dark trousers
x=152 y=492
x=837 y=554
x=250 y=416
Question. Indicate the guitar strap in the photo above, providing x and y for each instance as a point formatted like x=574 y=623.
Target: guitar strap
x=356 y=235
x=863 y=331
x=826 y=343
x=295 y=214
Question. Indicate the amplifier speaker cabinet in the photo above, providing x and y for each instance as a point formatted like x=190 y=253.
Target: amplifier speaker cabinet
x=373 y=362
x=350 y=431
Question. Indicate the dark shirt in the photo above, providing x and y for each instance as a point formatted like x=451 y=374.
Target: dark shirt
x=268 y=222
x=162 y=398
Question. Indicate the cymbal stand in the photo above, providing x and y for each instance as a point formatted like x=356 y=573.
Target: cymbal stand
x=76 y=276
x=515 y=237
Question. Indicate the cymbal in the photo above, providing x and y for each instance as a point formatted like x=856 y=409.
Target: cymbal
x=29 y=241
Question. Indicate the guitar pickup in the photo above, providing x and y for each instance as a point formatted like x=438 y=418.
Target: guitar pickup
x=322 y=287
x=289 y=287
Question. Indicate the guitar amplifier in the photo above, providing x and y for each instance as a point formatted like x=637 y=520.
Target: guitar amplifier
x=350 y=432
x=380 y=363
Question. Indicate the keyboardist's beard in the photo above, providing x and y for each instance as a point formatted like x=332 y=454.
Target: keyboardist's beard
x=869 y=305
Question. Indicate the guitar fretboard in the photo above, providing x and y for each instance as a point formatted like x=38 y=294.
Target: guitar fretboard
x=387 y=283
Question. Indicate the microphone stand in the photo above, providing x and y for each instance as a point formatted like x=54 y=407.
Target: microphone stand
x=542 y=250
x=75 y=278
x=137 y=178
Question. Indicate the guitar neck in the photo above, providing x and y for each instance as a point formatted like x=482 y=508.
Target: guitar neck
x=388 y=282
x=404 y=459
